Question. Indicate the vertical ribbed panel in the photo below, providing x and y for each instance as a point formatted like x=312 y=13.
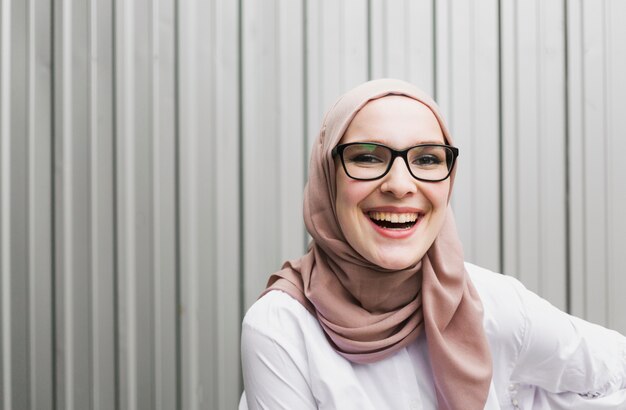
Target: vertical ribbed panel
x=188 y=112
x=163 y=168
x=598 y=193
x=209 y=204
x=6 y=386
x=102 y=204
x=25 y=217
x=337 y=55
x=153 y=156
x=534 y=146
x=467 y=89
x=146 y=218
x=40 y=222
x=227 y=299
x=197 y=179
x=18 y=228
x=576 y=173
x=6 y=378
x=616 y=166
x=273 y=139
x=402 y=41
x=126 y=207
x=73 y=201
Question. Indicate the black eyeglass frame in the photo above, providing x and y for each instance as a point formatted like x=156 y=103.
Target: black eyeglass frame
x=338 y=150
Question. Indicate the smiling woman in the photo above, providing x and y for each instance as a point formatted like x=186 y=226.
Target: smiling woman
x=383 y=312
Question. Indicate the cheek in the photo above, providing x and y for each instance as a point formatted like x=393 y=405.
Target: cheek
x=348 y=200
x=437 y=194
x=342 y=202
x=350 y=194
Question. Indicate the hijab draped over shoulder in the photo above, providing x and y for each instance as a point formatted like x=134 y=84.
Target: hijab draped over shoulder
x=368 y=312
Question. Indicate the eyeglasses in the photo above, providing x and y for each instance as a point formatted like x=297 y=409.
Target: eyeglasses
x=366 y=161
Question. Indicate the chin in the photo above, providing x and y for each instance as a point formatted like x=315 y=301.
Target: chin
x=394 y=266
x=392 y=262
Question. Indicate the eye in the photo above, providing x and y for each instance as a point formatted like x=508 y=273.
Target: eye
x=365 y=159
x=426 y=160
x=366 y=155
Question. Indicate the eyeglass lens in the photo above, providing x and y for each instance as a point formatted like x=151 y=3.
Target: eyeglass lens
x=369 y=161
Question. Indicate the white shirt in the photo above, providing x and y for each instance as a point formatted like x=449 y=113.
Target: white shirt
x=543 y=358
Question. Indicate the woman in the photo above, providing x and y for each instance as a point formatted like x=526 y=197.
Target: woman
x=383 y=313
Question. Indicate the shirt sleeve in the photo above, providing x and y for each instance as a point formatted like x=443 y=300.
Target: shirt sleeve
x=274 y=369
x=561 y=353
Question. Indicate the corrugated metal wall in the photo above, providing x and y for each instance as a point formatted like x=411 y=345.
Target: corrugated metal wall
x=153 y=155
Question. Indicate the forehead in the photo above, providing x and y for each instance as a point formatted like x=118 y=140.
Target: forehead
x=394 y=120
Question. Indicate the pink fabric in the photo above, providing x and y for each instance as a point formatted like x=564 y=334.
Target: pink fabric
x=367 y=312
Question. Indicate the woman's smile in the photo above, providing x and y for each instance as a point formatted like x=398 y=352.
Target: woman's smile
x=395 y=223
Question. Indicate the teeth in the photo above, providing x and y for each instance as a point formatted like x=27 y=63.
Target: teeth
x=393 y=217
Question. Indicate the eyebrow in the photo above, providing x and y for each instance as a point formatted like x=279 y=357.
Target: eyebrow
x=380 y=141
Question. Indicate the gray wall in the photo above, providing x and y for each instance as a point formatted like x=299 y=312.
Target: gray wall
x=153 y=155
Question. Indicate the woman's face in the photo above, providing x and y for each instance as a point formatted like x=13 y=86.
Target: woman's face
x=398 y=122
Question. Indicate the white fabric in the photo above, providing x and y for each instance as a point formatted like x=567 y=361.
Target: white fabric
x=543 y=359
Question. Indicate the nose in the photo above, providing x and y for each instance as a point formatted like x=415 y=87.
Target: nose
x=399 y=182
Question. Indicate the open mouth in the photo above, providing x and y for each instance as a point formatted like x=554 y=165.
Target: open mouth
x=389 y=220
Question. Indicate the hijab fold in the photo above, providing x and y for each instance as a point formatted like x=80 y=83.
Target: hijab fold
x=368 y=313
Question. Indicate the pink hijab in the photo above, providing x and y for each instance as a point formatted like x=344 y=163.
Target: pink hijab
x=367 y=312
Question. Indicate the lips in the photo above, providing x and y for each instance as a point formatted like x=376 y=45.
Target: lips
x=395 y=219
